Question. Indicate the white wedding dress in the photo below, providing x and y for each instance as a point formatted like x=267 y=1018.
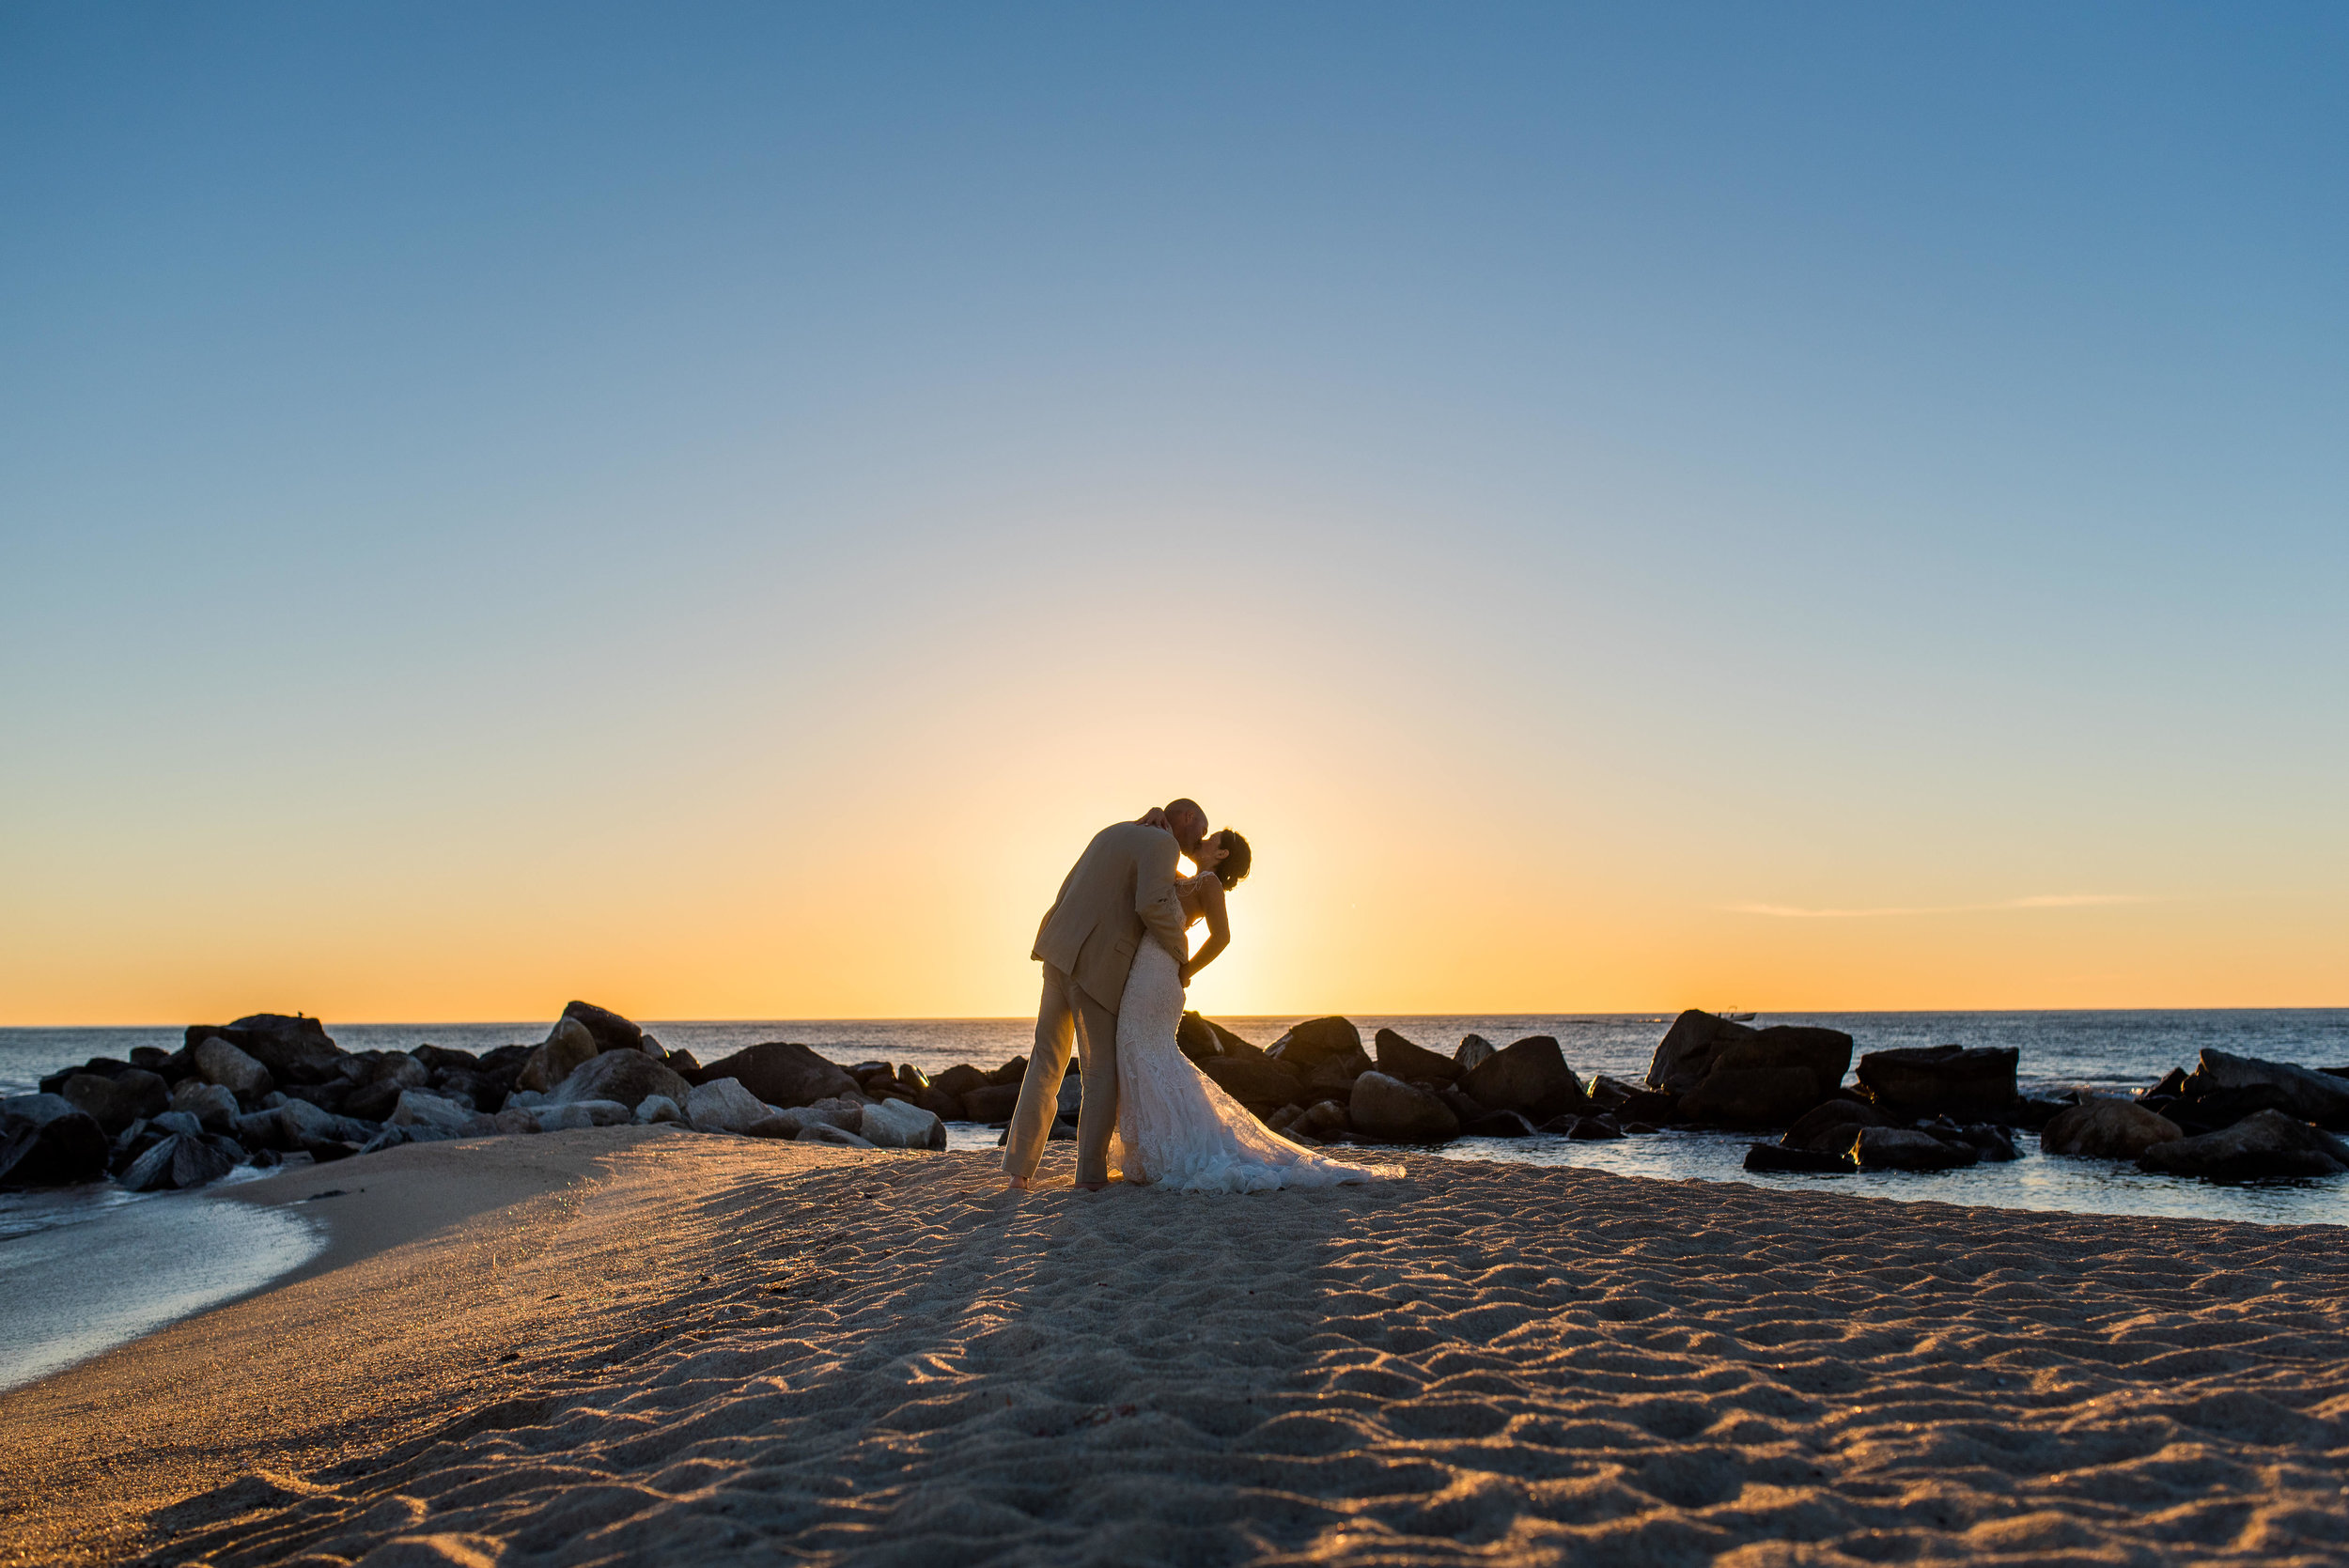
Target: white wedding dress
x=1176 y=1128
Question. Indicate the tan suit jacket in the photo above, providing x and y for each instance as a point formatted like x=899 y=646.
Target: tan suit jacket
x=1120 y=892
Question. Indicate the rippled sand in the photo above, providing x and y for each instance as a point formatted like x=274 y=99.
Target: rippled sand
x=732 y=1351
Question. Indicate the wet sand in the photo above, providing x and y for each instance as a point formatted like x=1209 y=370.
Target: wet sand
x=648 y=1346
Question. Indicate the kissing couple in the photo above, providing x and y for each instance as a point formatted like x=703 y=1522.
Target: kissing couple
x=1117 y=955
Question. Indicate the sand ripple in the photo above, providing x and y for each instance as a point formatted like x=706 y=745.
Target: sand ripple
x=888 y=1362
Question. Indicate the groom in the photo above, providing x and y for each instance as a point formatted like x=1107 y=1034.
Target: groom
x=1120 y=893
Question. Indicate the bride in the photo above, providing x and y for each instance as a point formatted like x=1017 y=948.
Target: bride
x=1175 y=1126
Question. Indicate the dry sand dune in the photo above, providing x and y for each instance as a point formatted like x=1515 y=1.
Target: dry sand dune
x=772 y=1354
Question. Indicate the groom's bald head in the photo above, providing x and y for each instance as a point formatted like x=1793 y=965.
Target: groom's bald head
x=1188 y=821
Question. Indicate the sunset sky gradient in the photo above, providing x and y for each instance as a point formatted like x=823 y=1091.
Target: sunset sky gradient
x=706 y=508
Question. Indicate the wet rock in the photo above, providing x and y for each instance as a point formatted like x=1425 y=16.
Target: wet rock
x=891 y=1125
x=574 y=1114
x=1529 y=1076
x=2268 y=1143
x=782 y=1074
x=1308 y=1045
x=1261 y=1083
x=993 y=1102
x=1474 y=1051
x=220 y=1062
x=1778 y=1160
x=622 y=1075
x=611 y=1030
x=655 y=1109
x=46 y=1140
x=824 y=1133
x=1413 y=1063
x=1992 y=1142
x=1975 y=1081
x=182 y=1160
x=1498 y=1123
x=417 y=1108
x=2106 y=1129
x=1906 y=1149
x=723 y=1104
x=1829 y=1127
x=210 y=1104
x=2308 y=1095
x=1584 y=1130
x=1385 y=1107
x=568 y=1048
x=115 y=1103
x=959 y=1080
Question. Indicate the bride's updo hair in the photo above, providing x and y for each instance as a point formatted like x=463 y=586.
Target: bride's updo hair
x=1233 y=865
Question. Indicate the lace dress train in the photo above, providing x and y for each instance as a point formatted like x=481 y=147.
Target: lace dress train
x=1176 y=1128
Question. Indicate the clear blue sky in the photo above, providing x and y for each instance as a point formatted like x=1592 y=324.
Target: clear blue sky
x=462 y=465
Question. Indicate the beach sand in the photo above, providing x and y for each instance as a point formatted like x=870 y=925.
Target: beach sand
x=648 y=1345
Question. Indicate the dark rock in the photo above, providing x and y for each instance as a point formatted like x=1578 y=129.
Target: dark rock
x=2171 y=1085
x=568 y=1047
x=2106 y=1129
x=2311 y=1096
x=2267 y=1143
x=1315 y=1041
x=182 y=1161
x=295 y=1050
x=2222 y=1108
x=1776 y=1159
x=47 y=1140
x=1950 y=1080
x=611 y=1031
x=1906 y=1149
x=1227 y=1043
x=959 y=1080
x=1608 y=1091
x=482 y=1092
x=1829 y=1127
x=1394 y=1112
x=1992 y=1142
x=333 y=1099
x=782 y=1074
x=1260 y=1082
x=1335 y=1075
x=1752 y=1096
x=683 y=1064
x=945 y=1107
x=327 y=1150
x=1531 y=1077
x=155 y=1059
x=2033 y=1113
x=444 y=1059
x=372 y=1102
x=992 y=1102
x=627 y=1077
x=116 y=1102
x=1698 y=1042
x=1010 y=1072
x=1413 y=1063
x=1592 y=1129
x=1322 y=1120
x=1498 y=1123
x=214 y=1107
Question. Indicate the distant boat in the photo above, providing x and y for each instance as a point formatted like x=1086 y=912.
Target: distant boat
x=1733 y=1017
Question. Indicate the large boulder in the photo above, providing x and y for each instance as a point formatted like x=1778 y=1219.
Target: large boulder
x=1780 y=1159
x=1197 y=1034
x=219 y=1061
x=180 y=1161
x=213 y=1107
x=295 y=1050
x=611 y=1030
x=1310 y=1043
x=1942 y=1081
x=989 y=1102
x=626 y=1076
x=1529 y=1076
x=2308 y=1095
x=781 y=1073
x=1906 y=1149
x=114 y=1103
x=575 y=1114
x=2106 y=1129
x=723 y=1104
x=1258 y=1083
x=846 y=1115
x=1385 y=1107
x=46 y=1140
x=568 y=1047
x=1473 y=1052
x=1699 y=1044
x=2268 y=1143
x=1412 y=1062
x=1828 y=1127
x=959 y=1080
x=893 y=1124
x=1752 y=1096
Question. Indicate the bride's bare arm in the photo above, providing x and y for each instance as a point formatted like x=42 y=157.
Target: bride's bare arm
x=1219 y=928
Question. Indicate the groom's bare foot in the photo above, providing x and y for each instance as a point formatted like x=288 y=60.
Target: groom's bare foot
x=1017 y=1184
x=1093 y=1187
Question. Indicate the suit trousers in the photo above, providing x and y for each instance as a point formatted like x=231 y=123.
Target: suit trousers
x=1067 y=1009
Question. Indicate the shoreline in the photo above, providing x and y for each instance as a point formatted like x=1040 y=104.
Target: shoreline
x=669 y=1347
